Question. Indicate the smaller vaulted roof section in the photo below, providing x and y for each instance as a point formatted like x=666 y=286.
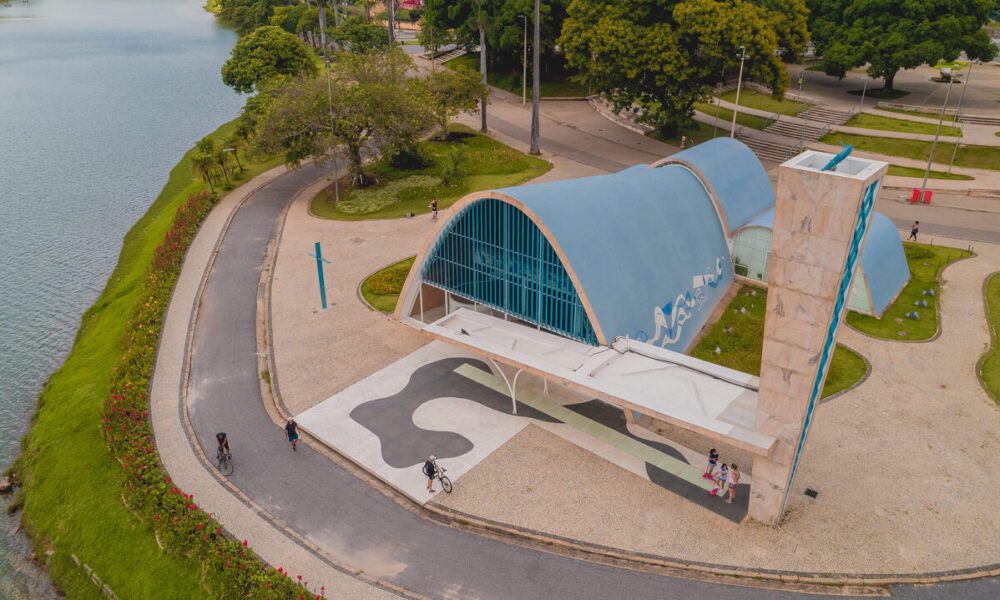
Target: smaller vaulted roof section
x=883 y=262
x=733 y=177
x=639 y=242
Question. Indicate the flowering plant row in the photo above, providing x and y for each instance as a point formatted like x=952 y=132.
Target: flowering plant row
x=230 y=569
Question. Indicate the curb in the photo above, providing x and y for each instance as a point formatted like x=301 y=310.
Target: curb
x=857 y=384
x=993 y=338
x=818 y=582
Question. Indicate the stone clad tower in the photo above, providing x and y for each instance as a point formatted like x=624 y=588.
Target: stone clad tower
x=822 y=214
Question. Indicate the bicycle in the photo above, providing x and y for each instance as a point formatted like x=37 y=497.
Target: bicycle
x=445 y=482
x=225 y=461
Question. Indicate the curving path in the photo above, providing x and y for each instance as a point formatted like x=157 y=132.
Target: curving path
x=341 y=515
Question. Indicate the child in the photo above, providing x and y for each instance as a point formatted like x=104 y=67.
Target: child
x=713 y=459
x=734 y=480
x=720 y=481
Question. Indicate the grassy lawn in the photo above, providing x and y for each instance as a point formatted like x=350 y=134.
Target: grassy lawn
x=740 y=337
x=488 y=164
x=926 y=263
x=870 y=121
x=989 y=365
x=926 y=115
x=899 y=171
x=552 y=86
x=976 y=157
x=381 y=289
x=72 y=492
x=726 y=116
x=755 y=99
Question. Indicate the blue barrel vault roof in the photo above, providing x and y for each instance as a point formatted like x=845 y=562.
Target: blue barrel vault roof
x=883 y=260
x=884 y=263
x=734 y=174
x=646 y=245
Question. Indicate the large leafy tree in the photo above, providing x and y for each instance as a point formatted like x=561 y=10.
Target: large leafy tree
x=373 y=103
x=667 y=54
x=248 y=15
x=890 y=35
x=452 y=92
x=357 y=35
x=266 y=53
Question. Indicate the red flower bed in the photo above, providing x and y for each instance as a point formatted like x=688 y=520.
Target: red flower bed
x=230 y=569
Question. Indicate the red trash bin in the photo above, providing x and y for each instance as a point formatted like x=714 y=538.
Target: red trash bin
x=915 y=196
x=927 y=196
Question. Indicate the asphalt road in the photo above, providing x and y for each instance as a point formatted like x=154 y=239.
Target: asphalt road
x=350 y=520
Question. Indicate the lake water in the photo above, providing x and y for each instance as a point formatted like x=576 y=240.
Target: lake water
x=98 y=100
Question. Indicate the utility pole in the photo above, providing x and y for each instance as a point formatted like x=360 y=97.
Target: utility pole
x=524 y=62
x=536 y=94
x=336 y=14
x=958 y=114
x=718 y=102
x=482 y=67
x=391 y=5
x=329 y=103
x=739 y=84
x=937 y=132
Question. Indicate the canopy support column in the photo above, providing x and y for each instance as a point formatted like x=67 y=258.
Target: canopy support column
x=511 y=385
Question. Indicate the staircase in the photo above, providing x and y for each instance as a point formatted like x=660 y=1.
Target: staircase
x=446 y=56
x=826 y=115
x=798 y=131
x=768 y=150
x=980 y=120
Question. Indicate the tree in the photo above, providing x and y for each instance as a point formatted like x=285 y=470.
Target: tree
x=248 y=15
x=202 y=166
x=790 y=19
x=889 y=35
x=453 y=92
x=358 y=35
x=234 y=143
x=665 y=55
x=265 y=53
x=374 y=104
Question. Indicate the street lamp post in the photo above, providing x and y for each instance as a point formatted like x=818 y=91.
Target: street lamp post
x=524 y=63
x=739 y=84
x=802 y=138
x=864 y=89
x=536 y=43
x=958 y=114
x=937 y=133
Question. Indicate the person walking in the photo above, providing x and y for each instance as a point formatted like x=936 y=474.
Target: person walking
x=720 y=481
x=292 y=432
x=713 y=460
x=914 y=230
x=734 y=480
x=434 y=210
x=430 y=470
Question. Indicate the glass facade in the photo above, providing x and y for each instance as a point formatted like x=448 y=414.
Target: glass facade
x=752 y=253
x=493 y=254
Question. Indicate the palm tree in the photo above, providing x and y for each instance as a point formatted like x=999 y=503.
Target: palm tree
x=233 y=143
x=206 y=146
x=220 y=159
x=201 y=166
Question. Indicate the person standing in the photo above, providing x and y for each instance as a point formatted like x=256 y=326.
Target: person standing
x=292 y=432
x=434 y=210
x=734 y=480
x=720 y=481
x=713 y=460
x=914 y=230
x=430 y=470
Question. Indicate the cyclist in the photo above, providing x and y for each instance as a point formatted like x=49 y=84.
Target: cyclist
x=223 y=441
x=431 y=471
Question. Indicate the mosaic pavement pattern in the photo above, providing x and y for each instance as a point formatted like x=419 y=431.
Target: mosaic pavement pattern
x=439 y=401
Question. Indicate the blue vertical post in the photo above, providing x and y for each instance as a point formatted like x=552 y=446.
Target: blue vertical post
x=319 y=271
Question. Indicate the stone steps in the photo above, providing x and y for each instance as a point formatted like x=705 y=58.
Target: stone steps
x=826 y=115
x=795 y=130
x=980 y=120
x=768 y=150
